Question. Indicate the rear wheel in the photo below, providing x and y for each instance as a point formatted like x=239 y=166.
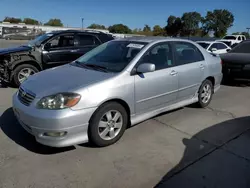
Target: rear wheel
x=108 y=124
x=22 y=72
x=205 y=93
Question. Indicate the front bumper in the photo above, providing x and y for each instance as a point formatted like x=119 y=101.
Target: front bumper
x=39 y=121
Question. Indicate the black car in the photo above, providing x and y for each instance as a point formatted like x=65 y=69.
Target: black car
x=236 y=63
x=46 y=51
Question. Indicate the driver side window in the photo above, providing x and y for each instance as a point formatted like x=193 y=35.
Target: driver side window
x=160 y=55
x=62 y=41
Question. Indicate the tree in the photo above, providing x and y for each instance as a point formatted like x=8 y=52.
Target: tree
x=12 y=20
x=119 y=28
x=135 y=31
x=246 y=34
x=174 y=26
x=30 y=21
x=96 y=26
x=54 y=22
x=157 y=30
x=146 y=28
x=217 y=21
x=190 y=23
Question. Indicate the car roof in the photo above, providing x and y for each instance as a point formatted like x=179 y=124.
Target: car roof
x=208 y=42
x=152 y=39
x=78 y=31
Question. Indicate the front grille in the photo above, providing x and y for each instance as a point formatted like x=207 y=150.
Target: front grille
x=25 y=97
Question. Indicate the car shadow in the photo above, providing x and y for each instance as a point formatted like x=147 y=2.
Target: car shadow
x=237 y=83
x=11 y=127
x=213 y=169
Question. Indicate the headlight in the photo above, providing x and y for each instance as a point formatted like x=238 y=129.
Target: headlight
x=59 y=101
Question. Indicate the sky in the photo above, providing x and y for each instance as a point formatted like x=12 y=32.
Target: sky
x=133 y=13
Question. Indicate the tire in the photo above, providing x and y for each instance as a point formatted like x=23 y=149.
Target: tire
x=105 y=129
x=15 y=75
x=203 y=101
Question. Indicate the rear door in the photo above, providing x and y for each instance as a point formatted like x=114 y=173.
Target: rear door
x=190 y=68
x=60 y=50
x=85 y=43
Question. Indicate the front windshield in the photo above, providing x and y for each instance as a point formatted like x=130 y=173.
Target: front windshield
x=230 y=37
x=114 y=56
x=38 y=40
x=243 y=47
x=203 y=44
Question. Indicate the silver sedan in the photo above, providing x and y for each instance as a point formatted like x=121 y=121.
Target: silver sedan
x=116 y=85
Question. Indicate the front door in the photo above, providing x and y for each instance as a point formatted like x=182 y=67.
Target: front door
x=156 y=89
x=191 y=69
x=60 y=50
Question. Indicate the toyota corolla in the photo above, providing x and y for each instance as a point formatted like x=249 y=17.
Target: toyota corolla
x=116 y=85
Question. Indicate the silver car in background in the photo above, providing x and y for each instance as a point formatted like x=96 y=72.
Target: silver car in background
x=116 y=85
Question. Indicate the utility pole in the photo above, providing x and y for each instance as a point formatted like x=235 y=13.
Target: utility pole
x=82 y=23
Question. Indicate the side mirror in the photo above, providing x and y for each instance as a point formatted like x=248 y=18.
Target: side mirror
x=47 y=46
x=227 y=50
x=213 y=49
x=145 y=67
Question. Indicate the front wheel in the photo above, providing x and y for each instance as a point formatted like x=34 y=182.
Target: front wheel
x=22 y=72
x=108 y=124
x=205 y=93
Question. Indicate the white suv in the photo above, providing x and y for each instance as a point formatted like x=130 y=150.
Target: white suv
x=231 y=40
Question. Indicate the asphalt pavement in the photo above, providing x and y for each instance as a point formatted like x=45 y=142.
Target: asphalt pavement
x=188 y=147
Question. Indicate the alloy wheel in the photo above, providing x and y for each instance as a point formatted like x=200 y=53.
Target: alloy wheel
x=206 y=93
x=110 y=125
x=24 y=74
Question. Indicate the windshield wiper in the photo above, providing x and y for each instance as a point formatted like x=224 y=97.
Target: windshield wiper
x=92 y=66
x=99 y=67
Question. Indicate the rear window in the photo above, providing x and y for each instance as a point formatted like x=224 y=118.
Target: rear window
x=203 y=44
x=230 y=37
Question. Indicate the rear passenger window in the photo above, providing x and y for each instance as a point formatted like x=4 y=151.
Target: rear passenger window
x=160 y=55
x=187 y=53
x=87 y=40
x=221 y=46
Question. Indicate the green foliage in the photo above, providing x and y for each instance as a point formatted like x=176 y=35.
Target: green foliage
x=190 y=23
x=119 y=28
x=12 y=20
x=146 y=28
x=30 y=21
x=96 y=26
x=174 y=26
x=158 y=31
x=54 y=22
x=218 y=21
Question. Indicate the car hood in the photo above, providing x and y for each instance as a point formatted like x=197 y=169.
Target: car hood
x=235 y=57
x=63 y=79
x=14 y=50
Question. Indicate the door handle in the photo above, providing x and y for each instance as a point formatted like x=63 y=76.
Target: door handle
x=74 y=50
x=202 y=66
x=173 y=73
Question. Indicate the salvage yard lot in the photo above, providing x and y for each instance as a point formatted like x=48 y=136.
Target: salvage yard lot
x=188 y=147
